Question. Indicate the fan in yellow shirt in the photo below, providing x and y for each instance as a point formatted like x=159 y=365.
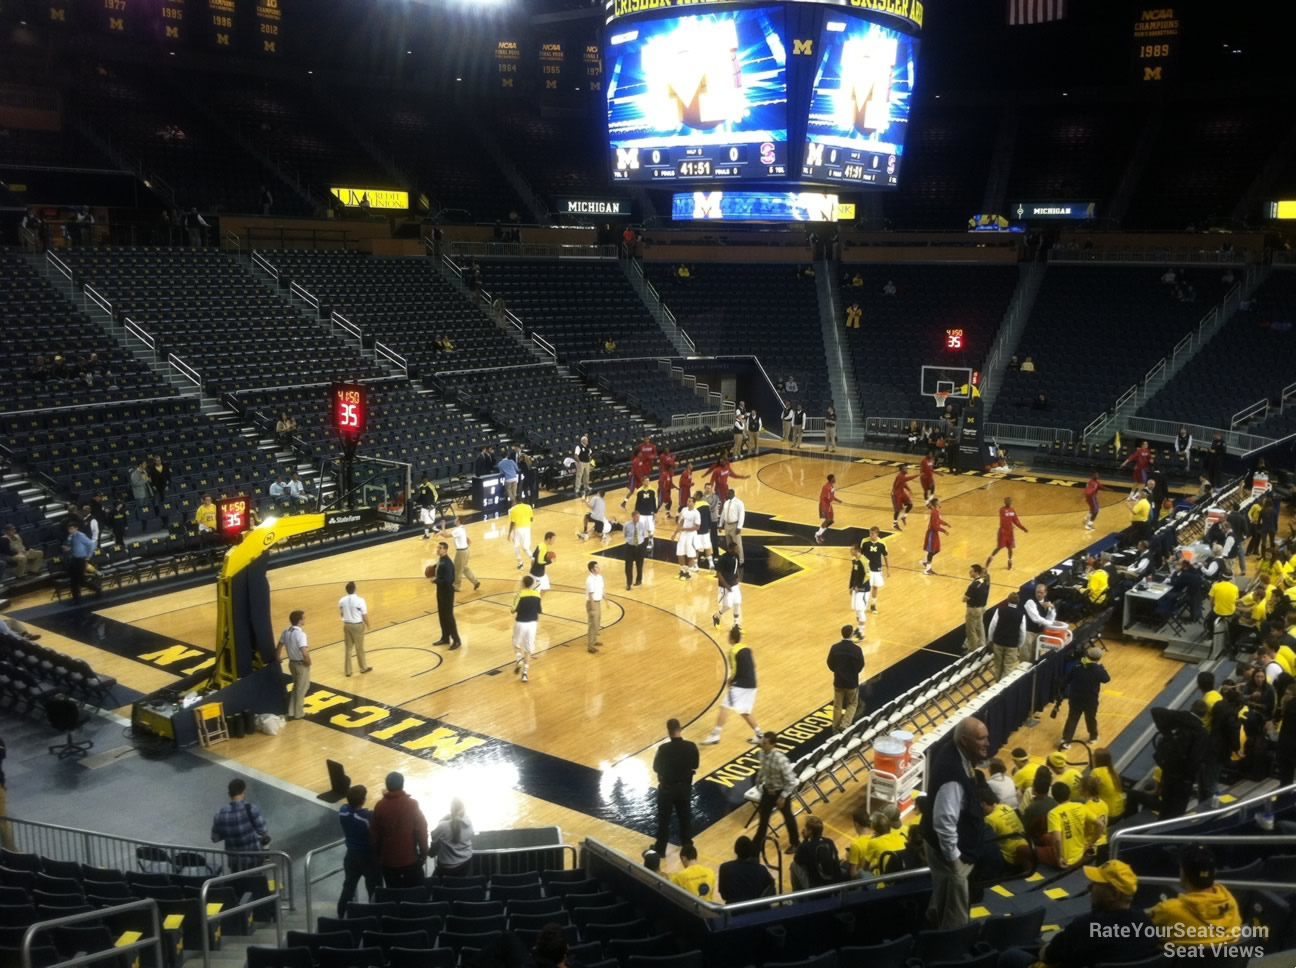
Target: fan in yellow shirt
x=1204 y=913
x=1096 y=587
x=694 y=878
x=1096 y=818
x=1224 y=598
x=1063 y=772
x=886 y=839
x=1109 y=783
x=1142 y=509
x=205 y=514
x=1066 y=826
x=1009 y=833
x=1024 y=768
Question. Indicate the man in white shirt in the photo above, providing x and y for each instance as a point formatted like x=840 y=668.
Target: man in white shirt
x=754 y=428
x=584 y=460
x=593 y=606
x=597 y=516
x=732 y=516
x=799 y=416
x=459 y=537
x=279 y=488
x=1039 y=611
x=788 y=413
x=686 y=528
x=739 y=429
x=355 y=622
x=296 y=489
x=292 y=644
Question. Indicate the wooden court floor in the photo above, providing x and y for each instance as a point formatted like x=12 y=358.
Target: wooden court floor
x=574 y=746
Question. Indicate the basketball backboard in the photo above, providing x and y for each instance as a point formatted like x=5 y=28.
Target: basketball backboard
x=953 y=380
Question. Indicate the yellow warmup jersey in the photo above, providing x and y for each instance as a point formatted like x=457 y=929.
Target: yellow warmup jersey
x=1067 y=820
x=521 y=515
x=1096 y=832
x=1110 y=790
x=696 y=880
x=206 y=516
x=888 y=843
x=1008 y=830
x=857 y=850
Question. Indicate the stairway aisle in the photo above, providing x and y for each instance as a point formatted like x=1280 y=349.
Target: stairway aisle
x=841 y=373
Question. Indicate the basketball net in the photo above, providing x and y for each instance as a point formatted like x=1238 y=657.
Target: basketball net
x=940 y=400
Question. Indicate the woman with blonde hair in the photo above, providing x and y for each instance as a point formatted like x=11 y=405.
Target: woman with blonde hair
x=452 y=841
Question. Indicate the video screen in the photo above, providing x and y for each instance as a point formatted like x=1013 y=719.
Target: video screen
x=754 y=206
x=859 y=106
x=701 y=97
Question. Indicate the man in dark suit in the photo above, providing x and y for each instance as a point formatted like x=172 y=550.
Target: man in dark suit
x=444 y=580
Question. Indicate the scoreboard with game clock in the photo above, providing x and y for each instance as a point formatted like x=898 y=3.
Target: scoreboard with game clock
x=792 y=92
x=350 y=411
x=234 y=515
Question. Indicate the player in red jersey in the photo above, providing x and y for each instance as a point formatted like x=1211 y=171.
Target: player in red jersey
x=827 y=498
x=1140 y=458
x=1091 y=498
x=665 y=486
x=640 y=470
x=648 y=449
x=901 y=505
x=1008 y=520
x=720 y=472
x=927 y=476
x=686 y=483
x=931 y=543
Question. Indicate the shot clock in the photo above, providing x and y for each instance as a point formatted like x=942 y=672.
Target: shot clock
x=350 y=408
x=233 y=517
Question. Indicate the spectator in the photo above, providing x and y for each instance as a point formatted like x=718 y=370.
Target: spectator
x=1001 y=783
x=846 y=661
x=1036 y=804
x=118 y=520
x=24 y=561
x=1009 y=834
x=159 y=476
x=551 y=947
x=78 y=551
x=693 y=877
x=1287 y=737
x=1065 y=843
x=205 y=518
x=141 y=483
x=1028 y=365
x=1110 y=933
x=285 y=427
x=791 y=386
x=1098 y=818
x=399 y=834
x=194 y=225
x=1063 y=771
x=954 y=831
x=744 y=878
x=279 y=487
x=1040 y=403
x=682 y=271
x=1084 y=685
x=777 y=782
x=888 y=839
x=296 y=489
x=1168 y=277
x=452 y=839
x=1014 y=363
x=1268 y=529
x=889 y=289
x=816 y=862
x=1204 y=913
x=359 y=861
x=1110 y=788
x=6 y=829
x=90 y=524
x=241 y=826
x=1025 y=767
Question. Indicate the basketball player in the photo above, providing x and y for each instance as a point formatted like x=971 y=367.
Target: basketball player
x=428 y=518
x=648 y=450
x=541 y=559
x=901 y=503
x=741 y=697
x=720 y=472
x=728 y=586
x=645 y=502
x=685 y=538
x=875 y=553
x=859 y=592
x=1140 y=458
x=640 y=469
x=1008 y=520
x=526 y=609
x=666 y=485
x=1091 y=499
x=702 y=540
x=927 y=476
x=686 y=483
x=597 y=516
x=827 y=498
x=935 y=528
x=520 y=516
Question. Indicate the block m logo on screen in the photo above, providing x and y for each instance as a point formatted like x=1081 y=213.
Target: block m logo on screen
x=805 y=47
x=708 y=206
x=627 y=158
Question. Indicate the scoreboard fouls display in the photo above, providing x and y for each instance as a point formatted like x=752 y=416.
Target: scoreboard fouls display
x=795 y=91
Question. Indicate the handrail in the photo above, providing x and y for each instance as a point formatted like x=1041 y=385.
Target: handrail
x=134 y=329
x=545 y=346
x=514 y=320
x=262 y=263
x=1284 y=395
x=1129 y=833
x=726 y=912
x=93 y=295
x=147 y=904
x=205 y=919
x=1153 y=373
x=342 y=322
x=450 y=263
x=1260 y=407
x=52 y=260
x=296 y=289
x=382 y=349
x=228 y=236
x=187 y=371
x=1029 y=433
x=61 y=842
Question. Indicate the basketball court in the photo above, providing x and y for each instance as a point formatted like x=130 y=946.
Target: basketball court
x=574 y=746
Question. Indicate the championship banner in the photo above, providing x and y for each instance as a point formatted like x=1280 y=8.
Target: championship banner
x=170 y=25
x=508 y=64
x=592 y=61
x=1156 y=39
x=58 y=12
x=269 y=19
x=221 y=16
x=117 y=17
x=553 y=63
x=906 y=12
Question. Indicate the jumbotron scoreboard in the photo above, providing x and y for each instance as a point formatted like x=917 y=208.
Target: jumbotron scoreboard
x=791 y=92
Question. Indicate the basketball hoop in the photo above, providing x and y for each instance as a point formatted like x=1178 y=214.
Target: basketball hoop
x=941 y=396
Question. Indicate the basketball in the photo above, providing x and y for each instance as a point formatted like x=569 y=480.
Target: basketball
x=429 y=571
x=551 y=557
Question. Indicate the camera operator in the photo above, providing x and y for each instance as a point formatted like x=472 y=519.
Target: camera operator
x=1083 y=687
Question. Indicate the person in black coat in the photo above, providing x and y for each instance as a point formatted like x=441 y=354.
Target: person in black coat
x=1185 y=585
x=1084 y=685
x=1287 y=737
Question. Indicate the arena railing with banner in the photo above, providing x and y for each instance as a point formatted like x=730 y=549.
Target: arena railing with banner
x=1028 y=434
x=1167 y=430
x=531 y=250
x=96 y=849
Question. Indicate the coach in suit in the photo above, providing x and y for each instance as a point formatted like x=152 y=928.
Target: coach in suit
x=445 y=579
x=635 y=536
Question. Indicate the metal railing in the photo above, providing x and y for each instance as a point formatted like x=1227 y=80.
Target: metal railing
x=233 y=239
x=712 y=419
x=205 y=919
x=1253 y=411
x=261 y=262
x=96 y=849
x=341 y=322
x=1171 y=257
x=499 y=853
x=58 y=265
x=185 y=370
x=1287 y=393
x=296 y=289
x=725 y=913
x=90 y=294
x=1029 y=434
x=1169 y=429
x=134 y=329
x=1152 y=832
x=116 y=951
x=532 y=250
x=545 y=346
x=387 y=353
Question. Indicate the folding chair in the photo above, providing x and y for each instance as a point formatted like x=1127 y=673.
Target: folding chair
x=211 y=724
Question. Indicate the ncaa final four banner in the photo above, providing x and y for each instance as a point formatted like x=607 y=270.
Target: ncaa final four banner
x=552 y=59
x=508 y=64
